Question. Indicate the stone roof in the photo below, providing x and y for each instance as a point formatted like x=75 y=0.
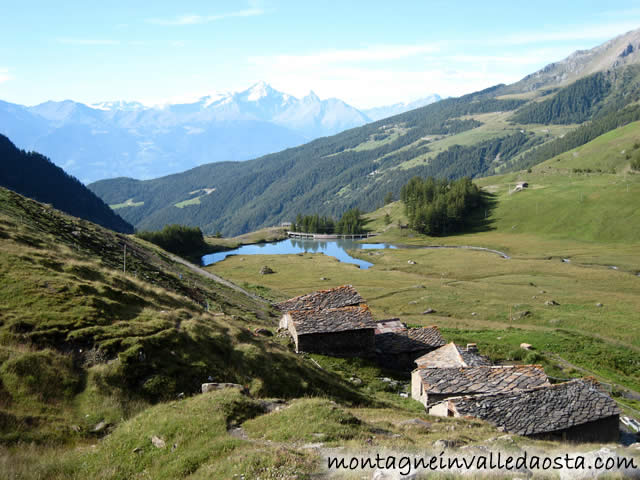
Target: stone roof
x=390 y=326
x=332 y=320
x=476 y=380
x=408 y=340
x=541 y=410
x=337 y=297
x=452 y=356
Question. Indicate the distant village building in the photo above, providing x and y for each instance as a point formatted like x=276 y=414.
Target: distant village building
x=331 y=322
x=397 y=346
x=453 y=356
x=286 y=224
x=578 y=411
x=432 y=385
x=344 y=331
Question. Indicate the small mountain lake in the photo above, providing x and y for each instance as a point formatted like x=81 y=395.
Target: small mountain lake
x=333 y=248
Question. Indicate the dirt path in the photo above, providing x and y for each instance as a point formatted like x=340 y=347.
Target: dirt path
x=216 y=278
x=466 y=247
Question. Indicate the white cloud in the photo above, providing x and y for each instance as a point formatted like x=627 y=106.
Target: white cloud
x=4 y=75
x=86 y=41
x=192 y=19
x=374 y=53
x=572 y=33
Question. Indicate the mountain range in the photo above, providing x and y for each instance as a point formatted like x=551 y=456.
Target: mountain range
x=502 y=128
x=118 y=138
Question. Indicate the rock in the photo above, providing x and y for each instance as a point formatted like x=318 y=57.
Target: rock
x=411 y=262
x=100 y=427
x=473 y=314
x=75 y=428
x=313 y=446
x=599 y=305
x=416 y=422
x=180 y=396
x=391 y=475
x=356 y=381
x=551 y=303
x=412 y=302
x=566 y=260
x=520 y=315
x=264 y=332
x=265 y=270
x=210 y=387
x=324 y=278
x=158 y=442
x=137 y=450
x=442 y=444
x=526 y=346
x=273 y=405
x=428 y=311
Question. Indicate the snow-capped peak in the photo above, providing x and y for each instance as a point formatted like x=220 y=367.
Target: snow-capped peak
x=258 y=91
x=118 y=105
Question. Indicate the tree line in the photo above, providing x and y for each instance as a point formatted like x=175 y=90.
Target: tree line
x=351 y=223
x=178 y=239
x=439 y=207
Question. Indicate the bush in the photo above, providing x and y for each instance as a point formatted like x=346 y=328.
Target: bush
x=178 y=239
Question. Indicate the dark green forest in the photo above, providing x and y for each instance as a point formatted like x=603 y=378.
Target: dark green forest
x=574 y=104
x=35 y=176
x=351 y=223
x=177 y=239
x=439 y=207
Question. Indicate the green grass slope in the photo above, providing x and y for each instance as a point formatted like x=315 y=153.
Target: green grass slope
x=82 y=342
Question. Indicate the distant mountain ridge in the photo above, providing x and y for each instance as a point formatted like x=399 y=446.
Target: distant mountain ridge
x=487 y=132
x=119 y=138
x=34 y=176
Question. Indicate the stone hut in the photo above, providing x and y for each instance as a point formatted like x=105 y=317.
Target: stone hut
x=576 y=411
x=344 y=331
x=344 y=296
x=432 y=385
x=453 y=356
x=397 y=346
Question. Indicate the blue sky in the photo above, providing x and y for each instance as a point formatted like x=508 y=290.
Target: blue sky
x=367 y=53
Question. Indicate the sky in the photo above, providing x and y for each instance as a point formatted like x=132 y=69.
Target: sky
x=367 y=53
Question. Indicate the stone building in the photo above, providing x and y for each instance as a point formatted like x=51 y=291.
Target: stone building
x=344 y=331
x=453 y=356
x=344 y=296
x=432 y=385
x=397 y=346
x=578 y=411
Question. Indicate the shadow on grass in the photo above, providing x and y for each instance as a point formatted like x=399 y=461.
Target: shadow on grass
x=481 y=219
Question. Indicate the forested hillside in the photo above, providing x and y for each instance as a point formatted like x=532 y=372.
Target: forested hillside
x=480 y=134
x=34 y=176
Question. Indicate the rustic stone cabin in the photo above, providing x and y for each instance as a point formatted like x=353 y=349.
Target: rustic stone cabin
x=577 y=411
x=453 y=356
x=344 y=296
x=397 y=346
x=344 y=331
x=432 y=385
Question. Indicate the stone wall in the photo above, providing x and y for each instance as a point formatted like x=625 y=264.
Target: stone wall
x=604 y=430
x=350 y=343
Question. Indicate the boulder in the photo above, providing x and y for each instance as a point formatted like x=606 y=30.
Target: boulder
x=551 y=303
x=428 y=311
x=158 y=442
x=526 y=346
x=211 y=387
x=266 y=270
x=411 y=262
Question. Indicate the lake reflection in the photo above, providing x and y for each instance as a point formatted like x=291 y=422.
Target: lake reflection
x=333 y=248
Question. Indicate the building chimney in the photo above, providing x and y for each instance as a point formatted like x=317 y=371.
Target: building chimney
x=472 y=347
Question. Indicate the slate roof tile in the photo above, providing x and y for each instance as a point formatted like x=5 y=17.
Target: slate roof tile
x=482 y=379
x=337 y=297
x=332 y=320
x=451 y=356
x=544 y=409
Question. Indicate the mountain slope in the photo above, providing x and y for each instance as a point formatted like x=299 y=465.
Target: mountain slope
x=479 y=134
x=85 y=342
x=111 y=139
x=33 y=175
x=378 y=113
